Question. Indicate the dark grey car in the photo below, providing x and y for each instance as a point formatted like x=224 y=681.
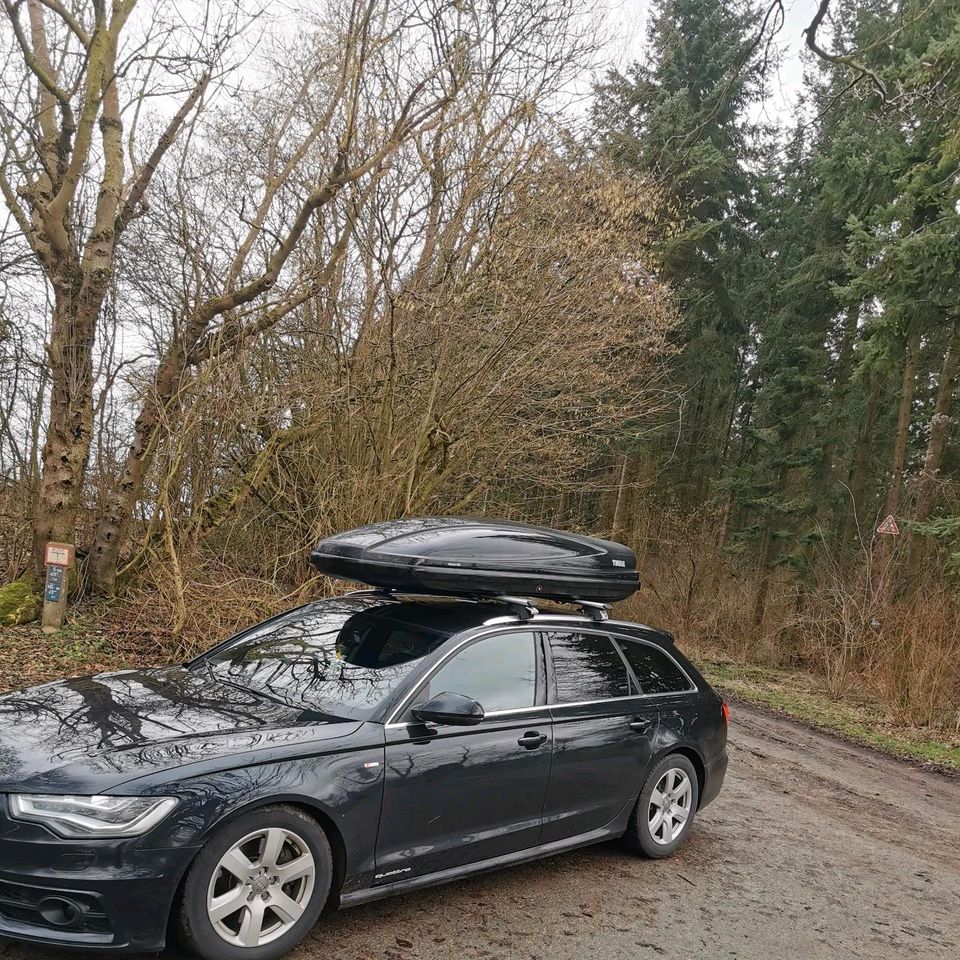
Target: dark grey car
x=348 y=750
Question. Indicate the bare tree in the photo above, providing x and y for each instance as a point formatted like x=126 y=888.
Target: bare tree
x=385 y=76
x=74 y=177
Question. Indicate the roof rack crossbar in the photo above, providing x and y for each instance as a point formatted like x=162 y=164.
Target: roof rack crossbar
x=524 y=609
x=595 y=611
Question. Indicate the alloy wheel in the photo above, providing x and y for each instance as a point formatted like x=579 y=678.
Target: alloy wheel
x=670 y=805
x=261 y=887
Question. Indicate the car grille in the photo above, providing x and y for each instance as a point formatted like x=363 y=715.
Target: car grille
x=78 y=916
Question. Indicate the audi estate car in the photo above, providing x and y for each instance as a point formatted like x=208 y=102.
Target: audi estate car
x=354 y=748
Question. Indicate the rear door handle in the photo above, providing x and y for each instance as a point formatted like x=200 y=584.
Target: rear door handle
x=641 y=724
x=532 y=739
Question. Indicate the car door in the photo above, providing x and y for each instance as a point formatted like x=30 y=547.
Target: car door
x=603 y=734
x=457 y=795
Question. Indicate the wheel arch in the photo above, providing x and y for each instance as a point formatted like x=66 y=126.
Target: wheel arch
x=308 y=805
x=693 y=755
x=335 y=838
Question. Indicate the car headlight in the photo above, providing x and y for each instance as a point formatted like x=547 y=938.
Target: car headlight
x=90 y=817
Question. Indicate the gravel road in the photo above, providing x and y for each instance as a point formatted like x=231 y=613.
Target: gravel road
x=815 y=849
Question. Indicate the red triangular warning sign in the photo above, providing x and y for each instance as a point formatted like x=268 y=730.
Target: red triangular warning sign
x=889 y=525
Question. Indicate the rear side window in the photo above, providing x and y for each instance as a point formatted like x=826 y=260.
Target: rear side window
x=655 y=671
x=586 y=666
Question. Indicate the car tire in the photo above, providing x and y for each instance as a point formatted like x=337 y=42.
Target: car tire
x=665 y=809
x=275 y=867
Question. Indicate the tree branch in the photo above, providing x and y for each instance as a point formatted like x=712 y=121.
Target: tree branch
x=166 y=140
x=68 y=18
x=860 y=68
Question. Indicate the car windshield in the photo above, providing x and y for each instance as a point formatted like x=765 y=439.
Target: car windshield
x=345 y=654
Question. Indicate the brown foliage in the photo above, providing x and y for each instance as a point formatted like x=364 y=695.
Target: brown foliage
x=510 y=372
x=849 y=629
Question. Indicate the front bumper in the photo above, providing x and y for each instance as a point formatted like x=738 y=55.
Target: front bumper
x=104 y=894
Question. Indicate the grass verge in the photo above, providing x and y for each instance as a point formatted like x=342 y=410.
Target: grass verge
x=861 y=720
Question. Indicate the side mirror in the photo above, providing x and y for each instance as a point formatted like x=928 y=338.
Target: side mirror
x=451 y=709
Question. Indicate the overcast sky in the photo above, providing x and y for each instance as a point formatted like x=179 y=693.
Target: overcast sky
x=627 y=27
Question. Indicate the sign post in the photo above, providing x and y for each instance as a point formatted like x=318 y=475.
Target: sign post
x=59 y=559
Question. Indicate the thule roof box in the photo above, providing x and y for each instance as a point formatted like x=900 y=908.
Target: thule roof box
x=479 y=558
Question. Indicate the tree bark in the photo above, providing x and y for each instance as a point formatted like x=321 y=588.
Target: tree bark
x=70 y=429
x=618 y=526
x=200 y=339
x=940 y=425
x=52 y=213
x=860 y=468
x=824 y=478
x=898 y=461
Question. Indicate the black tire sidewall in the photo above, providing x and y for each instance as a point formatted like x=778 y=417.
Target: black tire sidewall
x=640 y=829
x=192 y=923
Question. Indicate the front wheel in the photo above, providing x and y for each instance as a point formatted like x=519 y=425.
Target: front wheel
x=257 y=887
x=666 y=807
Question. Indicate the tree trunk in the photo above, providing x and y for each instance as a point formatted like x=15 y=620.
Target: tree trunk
x=768 y=555
x=860 y=468
x=70 y=430
x=693 y=445
x=884 y=545
x=118 y=511
x=618 y=525
x=898 y=461
x=763 y=588
x=940 y=424
x=824 y=478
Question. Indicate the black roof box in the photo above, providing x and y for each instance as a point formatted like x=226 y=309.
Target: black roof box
x=465 y=557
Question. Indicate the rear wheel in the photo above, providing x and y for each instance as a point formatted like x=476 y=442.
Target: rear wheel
x=257 y=887
x=666 y=807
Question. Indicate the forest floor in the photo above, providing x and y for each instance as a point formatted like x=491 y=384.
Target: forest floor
x=816 y=848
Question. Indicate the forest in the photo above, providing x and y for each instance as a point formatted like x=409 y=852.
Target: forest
x=264 y=278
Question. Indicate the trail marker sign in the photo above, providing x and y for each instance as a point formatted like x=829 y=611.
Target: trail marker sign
x=59 y=555
x=59 y=559
x=889 y=526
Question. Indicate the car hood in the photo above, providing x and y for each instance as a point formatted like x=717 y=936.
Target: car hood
x=93 y=734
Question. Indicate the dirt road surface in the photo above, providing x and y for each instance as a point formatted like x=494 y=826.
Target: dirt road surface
x=815 y=849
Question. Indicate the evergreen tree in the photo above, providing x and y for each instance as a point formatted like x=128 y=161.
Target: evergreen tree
x=681 y=117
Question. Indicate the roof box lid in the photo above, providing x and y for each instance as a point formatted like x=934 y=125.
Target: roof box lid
x=476 y=557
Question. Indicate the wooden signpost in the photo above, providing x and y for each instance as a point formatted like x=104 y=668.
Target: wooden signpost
x=59 y=559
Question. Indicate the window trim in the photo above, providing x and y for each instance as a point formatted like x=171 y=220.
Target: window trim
x=541 y=630
x=616 y=637
x=391 y=722
x=620 y=638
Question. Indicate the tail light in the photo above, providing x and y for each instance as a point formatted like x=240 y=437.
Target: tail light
x=725 y=711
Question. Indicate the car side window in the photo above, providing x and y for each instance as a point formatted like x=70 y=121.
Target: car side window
x=655 y=671
x=499 y=672
x=587 y=666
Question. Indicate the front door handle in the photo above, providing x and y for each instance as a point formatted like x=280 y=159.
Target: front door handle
x=641 y=724
x=532 y=739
